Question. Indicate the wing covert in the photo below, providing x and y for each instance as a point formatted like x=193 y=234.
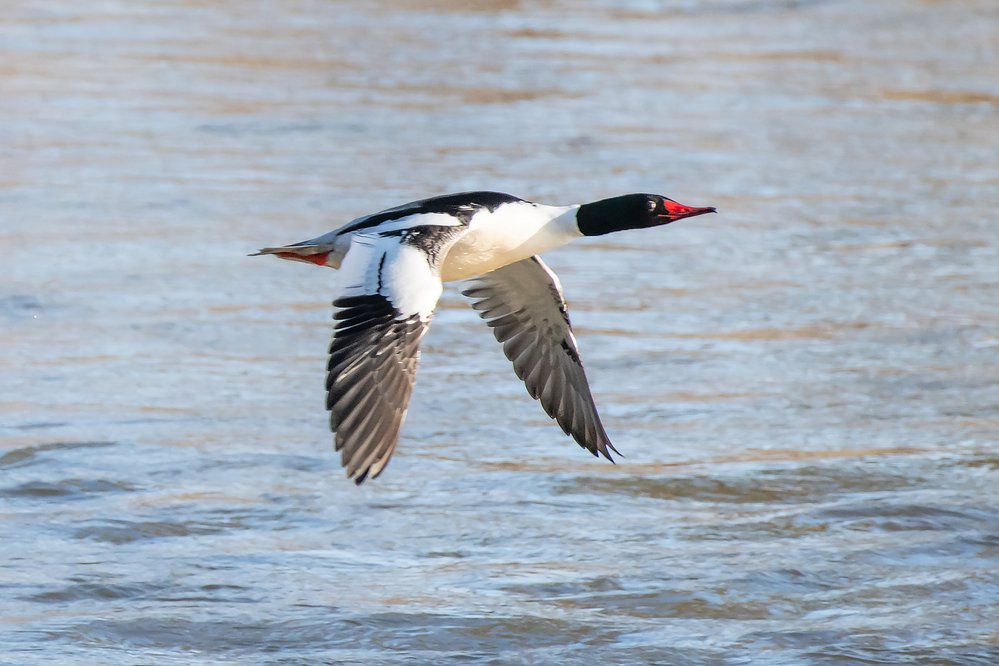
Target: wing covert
x=390 y=285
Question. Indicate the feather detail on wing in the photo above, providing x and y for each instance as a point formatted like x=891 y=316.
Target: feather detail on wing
x=390 y=287
x=523 y=304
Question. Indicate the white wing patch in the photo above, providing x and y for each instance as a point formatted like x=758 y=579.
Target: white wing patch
x=401 y=272
x=390 y=287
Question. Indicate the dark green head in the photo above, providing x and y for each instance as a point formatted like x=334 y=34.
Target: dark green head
x=631 y=211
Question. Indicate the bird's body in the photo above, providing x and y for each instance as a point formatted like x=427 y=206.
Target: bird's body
x=393 y=264
x=499 y=229
x=507 y=235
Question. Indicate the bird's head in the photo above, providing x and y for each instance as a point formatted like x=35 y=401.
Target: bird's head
x=632 y=211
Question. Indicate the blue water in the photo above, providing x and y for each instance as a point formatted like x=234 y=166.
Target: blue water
x=805 y=387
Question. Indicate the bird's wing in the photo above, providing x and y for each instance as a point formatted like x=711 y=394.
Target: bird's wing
x=390 y=283
x=523 y=304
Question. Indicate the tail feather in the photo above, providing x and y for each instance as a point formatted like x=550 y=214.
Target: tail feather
x=303 y=249
x=308 y=251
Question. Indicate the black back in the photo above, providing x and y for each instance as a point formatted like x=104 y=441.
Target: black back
x=462 y=205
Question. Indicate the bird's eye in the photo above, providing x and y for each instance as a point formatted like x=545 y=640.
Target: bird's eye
x=652 y=205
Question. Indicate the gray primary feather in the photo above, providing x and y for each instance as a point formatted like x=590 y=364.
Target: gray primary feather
x=389 y=289
x=371 y=370
x=523 y=304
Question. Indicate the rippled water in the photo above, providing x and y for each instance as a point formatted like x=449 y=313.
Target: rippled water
x=806 y=386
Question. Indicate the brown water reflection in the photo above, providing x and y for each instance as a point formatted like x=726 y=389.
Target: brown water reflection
x=804 y=386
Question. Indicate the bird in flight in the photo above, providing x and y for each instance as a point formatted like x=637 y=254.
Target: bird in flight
x=393 y=265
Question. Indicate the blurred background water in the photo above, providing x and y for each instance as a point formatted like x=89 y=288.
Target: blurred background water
x=805 y=386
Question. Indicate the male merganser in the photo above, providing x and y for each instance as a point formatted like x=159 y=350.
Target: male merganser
x=393 y=265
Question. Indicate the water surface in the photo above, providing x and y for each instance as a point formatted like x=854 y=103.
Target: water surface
x=805 y=387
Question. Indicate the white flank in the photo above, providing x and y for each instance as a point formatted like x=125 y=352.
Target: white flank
x=512 y=232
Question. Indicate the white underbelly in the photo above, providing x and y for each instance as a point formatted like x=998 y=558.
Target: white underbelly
x=474 y=254
x=506 y=236
x=479 y=252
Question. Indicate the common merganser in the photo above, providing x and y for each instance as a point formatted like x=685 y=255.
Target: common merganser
x=393 y=264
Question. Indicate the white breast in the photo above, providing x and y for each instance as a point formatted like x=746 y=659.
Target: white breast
x=510 y=233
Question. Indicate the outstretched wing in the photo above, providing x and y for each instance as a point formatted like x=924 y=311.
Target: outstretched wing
x=523 y=304
x=389 y=289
